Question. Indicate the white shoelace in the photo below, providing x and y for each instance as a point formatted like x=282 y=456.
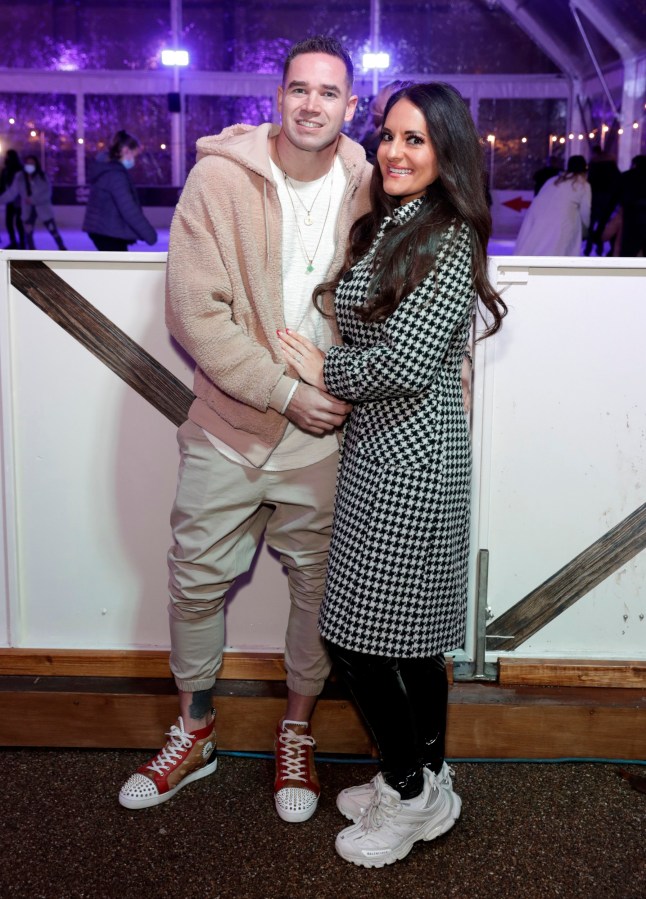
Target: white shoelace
x=293 y=761
x=172 y=751
x=382 y=806
x=451 y=775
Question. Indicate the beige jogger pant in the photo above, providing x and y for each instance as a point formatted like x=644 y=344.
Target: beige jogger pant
x=221 y=511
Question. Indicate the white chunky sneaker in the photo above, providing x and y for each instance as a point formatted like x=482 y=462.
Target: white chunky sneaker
x=296 y=788
x=390 y=827
x=353 y=802
x=186 y=757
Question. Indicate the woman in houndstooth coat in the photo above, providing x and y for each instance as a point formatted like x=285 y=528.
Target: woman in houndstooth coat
x=397 y=572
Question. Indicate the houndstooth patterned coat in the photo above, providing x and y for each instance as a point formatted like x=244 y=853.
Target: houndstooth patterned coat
x=397 y=571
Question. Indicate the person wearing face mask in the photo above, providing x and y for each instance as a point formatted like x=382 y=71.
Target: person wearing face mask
x=33 y=188
x=114 y=218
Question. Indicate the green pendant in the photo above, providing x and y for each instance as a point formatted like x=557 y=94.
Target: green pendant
x=310 y=268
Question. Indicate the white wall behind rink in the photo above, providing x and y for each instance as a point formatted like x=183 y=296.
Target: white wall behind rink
x=95 y=473
x=89 y=467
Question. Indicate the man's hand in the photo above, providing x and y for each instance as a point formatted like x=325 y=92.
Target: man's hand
x=316 y=411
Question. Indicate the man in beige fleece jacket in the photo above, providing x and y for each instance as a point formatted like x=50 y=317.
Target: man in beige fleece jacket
x=264 y=217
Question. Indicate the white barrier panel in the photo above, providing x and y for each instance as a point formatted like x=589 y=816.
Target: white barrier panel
x=90 y=473
x=89 y=467
x=560 y=444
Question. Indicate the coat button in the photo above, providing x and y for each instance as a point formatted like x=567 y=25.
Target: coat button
x=348 y=341
x=348 y=276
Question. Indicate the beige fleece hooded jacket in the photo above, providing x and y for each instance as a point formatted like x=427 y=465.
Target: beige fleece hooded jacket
x=224 y=299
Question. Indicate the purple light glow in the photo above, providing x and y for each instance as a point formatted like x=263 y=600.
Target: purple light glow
x=433 y=37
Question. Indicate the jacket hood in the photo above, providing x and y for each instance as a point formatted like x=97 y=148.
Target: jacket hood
x=247 y=145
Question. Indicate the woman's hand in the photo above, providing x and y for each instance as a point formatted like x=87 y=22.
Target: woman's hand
x=304 y=356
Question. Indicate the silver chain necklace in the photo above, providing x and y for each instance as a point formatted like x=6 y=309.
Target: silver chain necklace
x=308 y=220
x=289 y=188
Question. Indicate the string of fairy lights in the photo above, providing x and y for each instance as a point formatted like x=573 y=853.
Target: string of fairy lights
x=596 y=136
x=491 y=138
x=41 y=135
x=554 y=139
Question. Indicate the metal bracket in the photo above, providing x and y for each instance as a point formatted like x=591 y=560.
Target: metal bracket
x=466 y=671
x=479 y=670
x=511 y=275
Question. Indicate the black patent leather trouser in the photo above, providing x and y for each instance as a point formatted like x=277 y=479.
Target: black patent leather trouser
x=404 y=704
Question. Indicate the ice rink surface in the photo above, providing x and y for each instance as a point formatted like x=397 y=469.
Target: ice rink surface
x=75 y=239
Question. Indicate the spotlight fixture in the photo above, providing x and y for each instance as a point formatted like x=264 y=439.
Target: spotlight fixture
x=376 y=60
x=174 y=57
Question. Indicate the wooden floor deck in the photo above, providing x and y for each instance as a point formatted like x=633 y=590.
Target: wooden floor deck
x=486 y=720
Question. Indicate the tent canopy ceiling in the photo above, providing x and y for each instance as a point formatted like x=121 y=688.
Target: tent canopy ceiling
x=487 y=36
x=614 y=29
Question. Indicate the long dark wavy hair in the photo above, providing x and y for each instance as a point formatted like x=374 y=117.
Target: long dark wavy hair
x=408 y=253
x=576 y=166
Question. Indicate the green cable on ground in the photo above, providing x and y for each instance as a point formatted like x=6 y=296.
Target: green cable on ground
x=365 y=760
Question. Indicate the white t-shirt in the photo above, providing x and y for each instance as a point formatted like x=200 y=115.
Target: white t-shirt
x=303 y=244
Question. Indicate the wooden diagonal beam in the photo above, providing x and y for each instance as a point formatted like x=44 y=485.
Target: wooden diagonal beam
x=103 y=338
x=605 y=556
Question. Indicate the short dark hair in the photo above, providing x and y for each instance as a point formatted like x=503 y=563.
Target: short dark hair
x=321 y=43
x=577 y=164
x=119 y=141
